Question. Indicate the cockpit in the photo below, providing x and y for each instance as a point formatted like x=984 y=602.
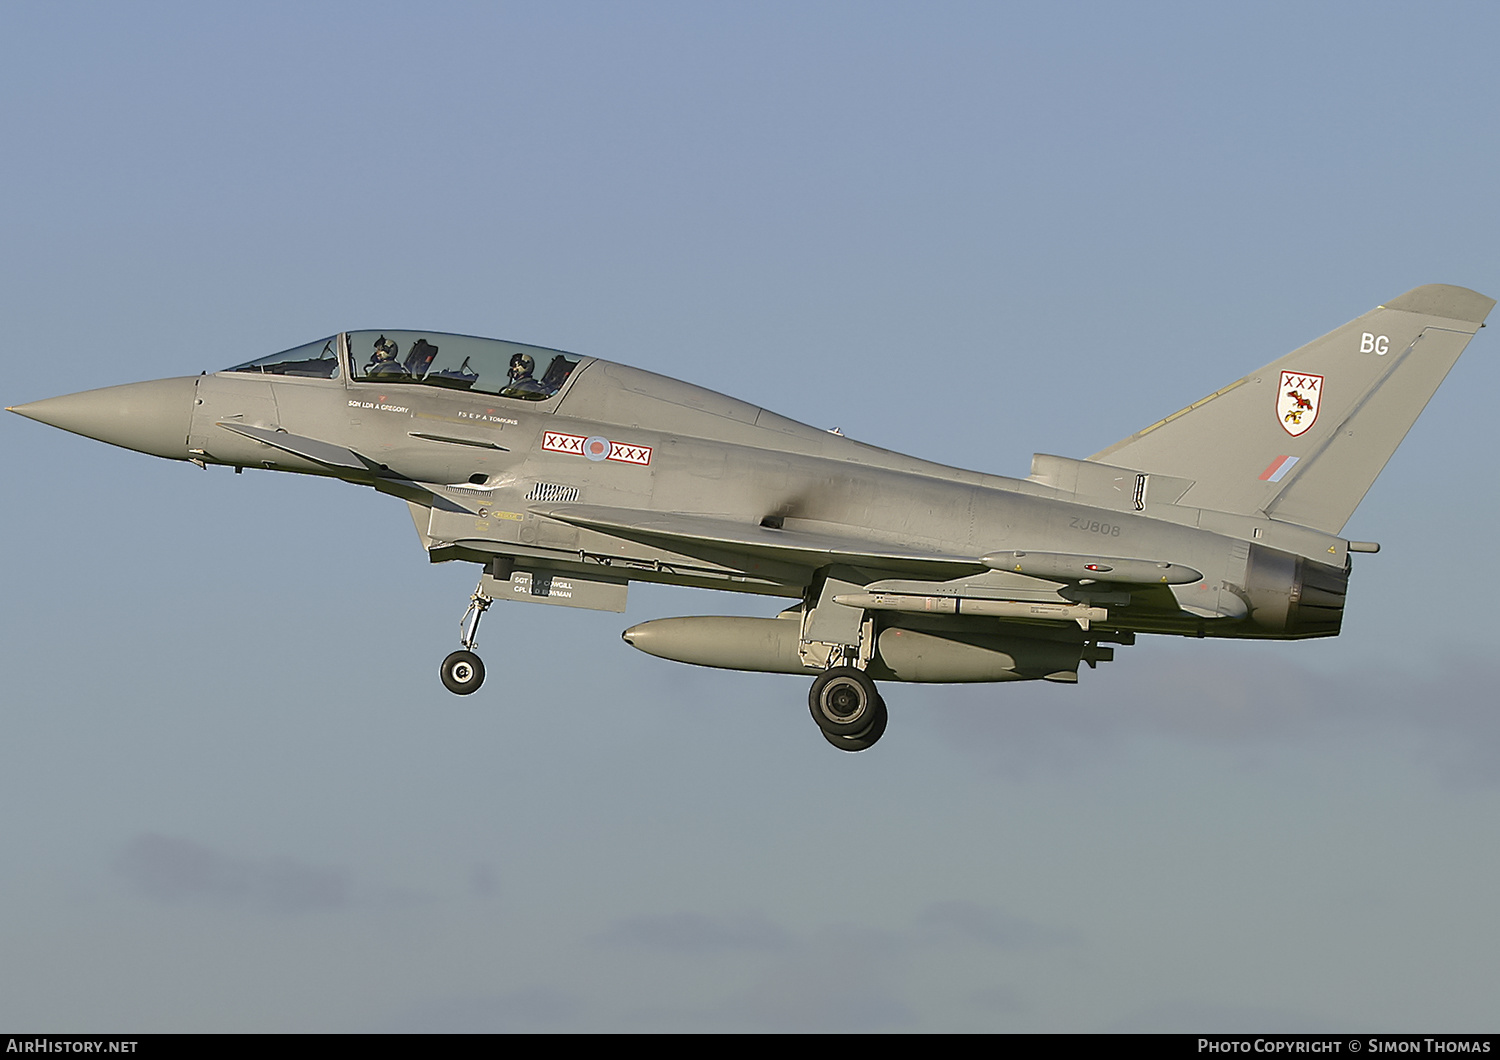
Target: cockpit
x=455 y=362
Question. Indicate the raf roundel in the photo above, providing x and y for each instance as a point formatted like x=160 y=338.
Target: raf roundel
x=596 y=448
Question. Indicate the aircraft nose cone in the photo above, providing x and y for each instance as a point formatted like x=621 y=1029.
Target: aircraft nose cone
x=149 y=417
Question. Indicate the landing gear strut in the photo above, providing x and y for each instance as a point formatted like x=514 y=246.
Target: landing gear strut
x=847 y=708
x=463 y=671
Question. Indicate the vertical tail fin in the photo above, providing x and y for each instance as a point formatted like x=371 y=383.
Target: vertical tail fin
x=1302 y=439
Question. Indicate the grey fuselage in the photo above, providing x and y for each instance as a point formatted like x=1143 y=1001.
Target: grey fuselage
x=481 y=477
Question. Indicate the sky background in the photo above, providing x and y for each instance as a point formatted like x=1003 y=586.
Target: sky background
x=234 y=796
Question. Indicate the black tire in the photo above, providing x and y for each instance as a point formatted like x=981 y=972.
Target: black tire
x=462 y=672
x=843 y=701
x=865 y=740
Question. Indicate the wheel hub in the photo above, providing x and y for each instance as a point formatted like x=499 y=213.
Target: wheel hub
x=844 y=701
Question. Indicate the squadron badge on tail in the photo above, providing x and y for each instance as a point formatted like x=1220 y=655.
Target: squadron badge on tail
x=1297 y=401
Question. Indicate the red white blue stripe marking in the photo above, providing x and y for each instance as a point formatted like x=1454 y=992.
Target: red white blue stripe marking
x=1279 y=467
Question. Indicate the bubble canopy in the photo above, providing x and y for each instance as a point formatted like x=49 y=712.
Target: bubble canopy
x=430 y=358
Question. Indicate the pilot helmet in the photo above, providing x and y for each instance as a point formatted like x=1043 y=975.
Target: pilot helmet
x=521 y=365
x=385 y=349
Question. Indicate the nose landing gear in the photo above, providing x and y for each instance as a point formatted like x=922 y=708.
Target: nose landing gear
x=463 y=671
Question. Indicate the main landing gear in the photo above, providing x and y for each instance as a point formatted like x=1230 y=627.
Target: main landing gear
x=844 y=701
x=463 y=671
x=847 y=708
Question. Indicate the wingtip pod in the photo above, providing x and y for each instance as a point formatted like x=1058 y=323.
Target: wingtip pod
x=1444 y=300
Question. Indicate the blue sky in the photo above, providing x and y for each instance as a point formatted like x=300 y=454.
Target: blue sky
x=236 y=797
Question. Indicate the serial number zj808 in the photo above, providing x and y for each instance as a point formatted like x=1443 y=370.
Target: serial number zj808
x=1095 y=526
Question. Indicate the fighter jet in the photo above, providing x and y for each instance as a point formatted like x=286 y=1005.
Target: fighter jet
x=567 y=477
